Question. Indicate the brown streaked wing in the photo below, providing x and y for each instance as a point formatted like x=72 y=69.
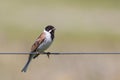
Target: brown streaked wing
x=38 y=41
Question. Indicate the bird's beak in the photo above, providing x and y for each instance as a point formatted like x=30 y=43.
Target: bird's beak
x=54 y=29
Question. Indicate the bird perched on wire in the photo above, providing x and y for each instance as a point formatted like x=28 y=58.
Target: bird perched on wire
x=41 y=44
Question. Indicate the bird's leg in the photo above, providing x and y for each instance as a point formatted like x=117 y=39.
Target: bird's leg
x=48 y=54
x=36 y=55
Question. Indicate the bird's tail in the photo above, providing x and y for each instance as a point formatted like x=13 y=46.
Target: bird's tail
x=27 y=64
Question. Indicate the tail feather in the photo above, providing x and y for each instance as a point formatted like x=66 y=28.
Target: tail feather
x=27 y=64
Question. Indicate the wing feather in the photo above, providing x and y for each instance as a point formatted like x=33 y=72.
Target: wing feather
x=38 y=41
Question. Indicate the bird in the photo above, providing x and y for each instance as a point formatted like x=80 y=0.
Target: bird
x=41 y=44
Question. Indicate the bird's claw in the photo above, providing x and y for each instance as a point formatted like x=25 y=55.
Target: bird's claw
x=36 y=55
x=48 y=54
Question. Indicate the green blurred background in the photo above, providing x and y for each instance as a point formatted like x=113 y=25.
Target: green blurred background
x=82 y=26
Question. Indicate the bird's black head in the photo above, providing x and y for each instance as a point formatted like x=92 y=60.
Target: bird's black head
x=51 y=30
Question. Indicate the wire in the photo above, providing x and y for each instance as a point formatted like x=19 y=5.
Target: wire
x=61 y=53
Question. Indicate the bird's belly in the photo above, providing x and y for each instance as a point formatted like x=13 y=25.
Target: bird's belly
x=43 y=46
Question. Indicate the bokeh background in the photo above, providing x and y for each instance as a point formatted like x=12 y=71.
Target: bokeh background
x=82 y=26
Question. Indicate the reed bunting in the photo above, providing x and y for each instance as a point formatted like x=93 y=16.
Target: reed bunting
x=41 y=44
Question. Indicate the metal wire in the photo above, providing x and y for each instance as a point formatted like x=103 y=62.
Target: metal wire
x=61 y=53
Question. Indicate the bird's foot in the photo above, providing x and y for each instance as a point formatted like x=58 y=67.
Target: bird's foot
x=36 y=55
x=48 y=54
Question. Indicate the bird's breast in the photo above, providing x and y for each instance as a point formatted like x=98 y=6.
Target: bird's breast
x=45 y=44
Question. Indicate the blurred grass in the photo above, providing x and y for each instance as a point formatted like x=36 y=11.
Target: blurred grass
x=85 y=3
x=82 y=26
